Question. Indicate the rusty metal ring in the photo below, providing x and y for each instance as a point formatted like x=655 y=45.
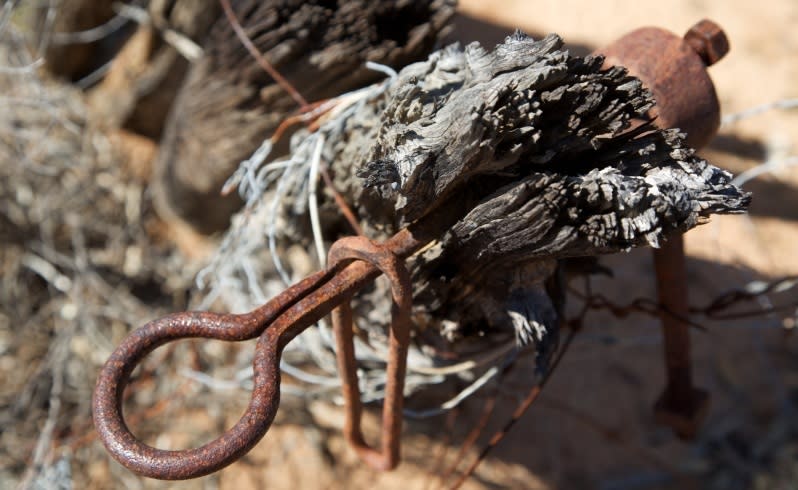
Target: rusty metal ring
x=361 y=248
x=175 y=465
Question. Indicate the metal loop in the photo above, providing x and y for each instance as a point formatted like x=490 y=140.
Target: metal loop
x=276 y=322
x=190 y=463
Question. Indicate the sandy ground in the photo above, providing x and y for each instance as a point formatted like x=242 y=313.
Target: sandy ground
x=593 y=427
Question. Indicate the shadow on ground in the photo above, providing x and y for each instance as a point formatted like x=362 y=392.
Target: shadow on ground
x=597 y=408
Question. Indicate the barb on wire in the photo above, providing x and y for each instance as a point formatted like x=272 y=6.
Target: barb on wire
x=647 y=306
x=750 y=292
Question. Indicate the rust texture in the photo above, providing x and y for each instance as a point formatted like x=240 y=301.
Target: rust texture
x=708 y=41
x=675 y=72
x=674 y=69
x=681 y=406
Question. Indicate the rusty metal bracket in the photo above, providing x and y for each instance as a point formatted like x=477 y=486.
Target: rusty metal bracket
x=361 y=248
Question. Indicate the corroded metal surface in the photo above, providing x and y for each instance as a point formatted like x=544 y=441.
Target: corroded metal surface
x=676 y=73
x=674 y=69
x=361 y=248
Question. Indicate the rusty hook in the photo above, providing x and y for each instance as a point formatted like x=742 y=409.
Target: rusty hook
x=276 y=323
x=675 y=69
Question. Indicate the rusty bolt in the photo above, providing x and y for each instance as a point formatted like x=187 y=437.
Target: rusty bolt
x=708 y=41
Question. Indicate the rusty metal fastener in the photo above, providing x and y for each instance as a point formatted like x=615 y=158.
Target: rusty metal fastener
x=276 y=323
x=675 y=70
x=682 y=406
x=361 y=248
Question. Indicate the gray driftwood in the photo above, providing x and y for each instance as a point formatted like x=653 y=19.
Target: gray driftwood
x=530 y=154
x=229 y=105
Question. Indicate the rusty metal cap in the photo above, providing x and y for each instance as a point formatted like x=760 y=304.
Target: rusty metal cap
x=675 y=70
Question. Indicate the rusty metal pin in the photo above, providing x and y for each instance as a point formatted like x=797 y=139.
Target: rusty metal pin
x=674 y=69
x=682 y=406
x=708 y=41
x=361 y=248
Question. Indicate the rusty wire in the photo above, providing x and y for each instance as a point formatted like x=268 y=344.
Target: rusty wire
x=361 y=248
x=281 y=319
x=519 y=412
x=716 y=309
x=262 y=61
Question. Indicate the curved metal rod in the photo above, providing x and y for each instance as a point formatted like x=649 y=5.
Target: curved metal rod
x=171 y=465
x=277 y=323
x=361 y=248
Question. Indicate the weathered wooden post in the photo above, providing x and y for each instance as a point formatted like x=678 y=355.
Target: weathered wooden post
x=320 y=47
